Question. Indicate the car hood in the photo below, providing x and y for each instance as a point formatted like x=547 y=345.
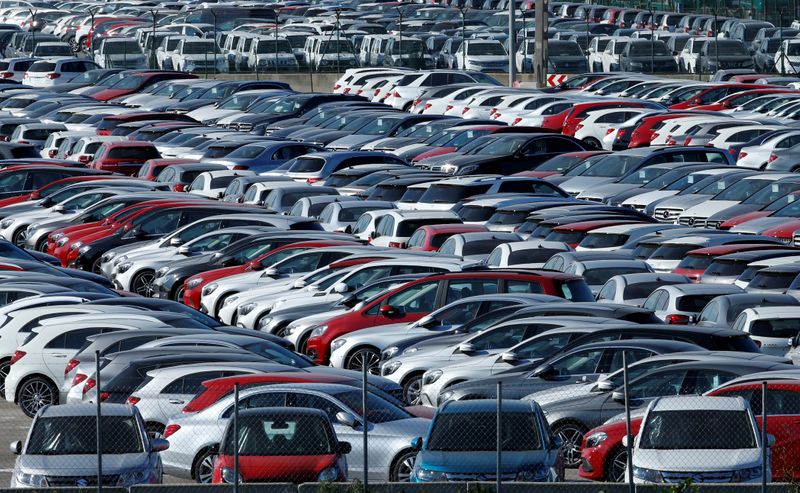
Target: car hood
x=352 y=141
x=697 y=459
x=609 y=189
x=480 y=462
x=565 y=393
x=705 y=209
x=756 y=226
x=733 y=211
x=683 y=201
x=81 y=465
x=409 y=427
x=580 y=183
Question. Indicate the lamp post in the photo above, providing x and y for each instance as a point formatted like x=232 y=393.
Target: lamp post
x=400 y=33
x=463 y=10
x=153 y=41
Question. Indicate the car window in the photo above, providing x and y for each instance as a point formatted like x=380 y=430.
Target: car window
x=662 y=384
x=419 y=298
x=459 y=289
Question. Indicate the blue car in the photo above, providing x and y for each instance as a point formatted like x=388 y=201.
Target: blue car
x=461 y=444
x=261 y=157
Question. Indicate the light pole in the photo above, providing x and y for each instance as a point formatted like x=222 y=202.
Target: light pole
x=338 y=66
x=780 y=28
x=463 y=10
x=33 y=28
x=153 y=41
x=400 y=33
x=652 y=39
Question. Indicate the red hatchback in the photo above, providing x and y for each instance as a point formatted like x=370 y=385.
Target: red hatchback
x=282 y=445
x=126 y=157
x=429 y=238
x=415 y=299
x=697 y=261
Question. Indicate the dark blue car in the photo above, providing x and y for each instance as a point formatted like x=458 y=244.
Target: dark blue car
x=462 y=438
x=264 y=156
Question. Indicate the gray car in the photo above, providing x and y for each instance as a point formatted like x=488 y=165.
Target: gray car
x=725 y=269
x=633 y=289
x=391 y=428
x=674 y=374
x=720 y=54
x=642 y=55
x=61 y=449
x=723 y=310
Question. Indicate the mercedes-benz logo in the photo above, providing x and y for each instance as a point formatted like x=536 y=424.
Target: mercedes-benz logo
x=82 y=483
x=691 y=221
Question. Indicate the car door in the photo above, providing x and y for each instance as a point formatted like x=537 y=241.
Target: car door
x=407 y=305
x=177 y=393
x=57 y=352
x=642 y=391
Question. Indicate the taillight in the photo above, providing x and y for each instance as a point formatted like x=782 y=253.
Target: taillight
x=579 y=126
x=312 y=180
x=758 y=343
x=772 y=157
x=396 y=94
x=346 y=90
x=240 y=167
x=670 y=141
x=52 y=153
x=464 y=111
x=516 y=120
x=170 y=430
x=675 y=319
x=6 y=75
x=621 y=132
x=395 y=244
x=449 y=107
x=71 y=364
x=17 y=356
x=742 y=155
x=686 y=141
x=609 y=131
x=180 y=187
x=89 y=385
x=732 y=150
x=336 y=86
x=416 y=102
x=377 y=91
x=427 y=105
x=25 y=75
x=133 y=400
x=53 y=75
x=83 y=159
x=104 y=396
x=80 y=377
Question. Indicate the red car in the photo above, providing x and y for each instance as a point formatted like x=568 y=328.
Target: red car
x=769 y=210
x=53 y=187
x=415 y=299
x=152 y=167
x=697 y=261
x=648 y=127
x=429 y=238
x=783 y=421
x=108 y=123
x=193 y=286
x=283 y=445
x=785 y=232
x=715 y=93
x=572 y=234
x=126 y=157
x=737 y=99
x=138 y=81
x=567 y=121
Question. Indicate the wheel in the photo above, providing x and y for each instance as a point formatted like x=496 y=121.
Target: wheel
x=616 y=464
x=142 y=283
x=221 y=303
x=4 y=367
x=402 y=467
x=593 y=143
x=19 y=236
x=302 y=343
x=412 y=390
x=571 y=435
x=34 y=394
x=41 y=245
x=178 y=294
x=358 y=359
x=203 y=467
x=95 y=268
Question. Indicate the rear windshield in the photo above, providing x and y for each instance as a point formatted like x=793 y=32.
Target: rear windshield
x=694 y=302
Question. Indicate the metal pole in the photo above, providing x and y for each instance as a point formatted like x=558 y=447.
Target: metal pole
x=764 y=436
x=365 y=426
x=98 y=437
x=463 y=37
x=400 y=39
x=236 y=437
x=512 y=42
x=499 y=465
x=33 y=29
x=338 y=67
x=276 y=48
x=783 y=64
x=716 y=34
x=629 y=446
x=652 y=41
x=153 y=42
x=540 y=43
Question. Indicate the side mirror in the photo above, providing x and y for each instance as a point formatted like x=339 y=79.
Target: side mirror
x=159 y=445
x=543 y=371
x=416 y=443
x=348 y=229
x=341 y=288
x=345 y=448
x=346 y=419
x=770 y=440
x=255 y=265
x=466 y=347
x=59 y=208
x=625 y=440
x=175 y=241
x=301 y=284
x=373 y=235
x=604 y=385
x=220 y=195
x=271 y=272
x=16 y=447
x=183 y=250
x=509 y=357
x=618 y=396
x=387 y=311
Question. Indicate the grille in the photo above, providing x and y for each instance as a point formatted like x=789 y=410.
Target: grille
x=697 y=222
x=593 y=199
x=468 y=476
x=713 y=224
x=108 y=480
x=667 y=215
x=698 y=477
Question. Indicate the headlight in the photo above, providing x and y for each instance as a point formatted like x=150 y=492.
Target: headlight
x=194 y=283
x=467 y=169
x=744 y=475
x=84 y=249
x=61 y=240
x=329 y=474
x=290 y=330
x=124 y=267
x=264 y=322
x=337 y=344
x=390 y=352
x=227 y=475
x=649 y=475
x=445 y=396
x=431 y=376
x=229 y=299
x=133 y=477
x=246 y=308
x=56 y=236
x=392 y=367
x=411 y=350
x=423 y=474
x=538 y=473
x=118 y=260
x=162 y=271
x=6 y=223
x=595 y=439
x=37 y=480
x=318 y=331
x=210 y=289
x=33 y=227
x=449 y=168
x=75 y=245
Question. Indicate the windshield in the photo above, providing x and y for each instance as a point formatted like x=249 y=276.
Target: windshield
x=473 y=432
x=689 y=429
x=76 y=435
x=121 y=48
x=281 y=435
x=501 y=146
x=741 y=190
x=486 y=49
x=198 y=47
x=378 y=409
x=657 y=48
x=612 y=166
x=278 y=354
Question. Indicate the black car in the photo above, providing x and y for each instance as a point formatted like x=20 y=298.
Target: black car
x=643 y=55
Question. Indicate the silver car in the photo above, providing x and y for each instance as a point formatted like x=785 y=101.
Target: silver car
x=61 y=449
x=195 y=437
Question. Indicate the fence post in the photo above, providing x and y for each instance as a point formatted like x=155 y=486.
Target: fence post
x=629 y=446
x=499 y=466
x=98 y=437
x=236 y=437
x=364 y=372
x=764 y=437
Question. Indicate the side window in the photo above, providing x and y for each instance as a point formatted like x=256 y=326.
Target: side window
x=270 y=399
x=459 y=313
x=191 y=384
x=460 y=289
x=305 y=262
x=526 y=287
x=419 y=298
x=162 y=223
x=662 y=384
x=368 y=275
x=651 y=301
x=715 y=157
x=700 y=381
x=663 y=301
x=314 y=402
x=608 y=291
x=579 y=363
x=73 y=339
x=613 y=360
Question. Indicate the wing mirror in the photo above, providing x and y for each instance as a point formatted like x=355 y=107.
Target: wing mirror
x=618 y=396
x=271 y=272
x=346 y=419
x=341 y=288
x=625 y=440
x=59 y=208
x=16 y=447
x=543 y=371
x=604 y=385
x=159 y=445
x=416 y=443
x=509 y=357
x=345 y=448
x=175 y=241
x=183 y=250
x=388 y=311
x=466 y=347
x=298 y=284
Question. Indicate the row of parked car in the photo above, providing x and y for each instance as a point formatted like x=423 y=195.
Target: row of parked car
x=199 y=234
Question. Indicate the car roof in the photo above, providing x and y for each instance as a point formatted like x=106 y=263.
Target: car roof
x=694 y=403
x=70 y=410
x=485 y=406
x=691 y=288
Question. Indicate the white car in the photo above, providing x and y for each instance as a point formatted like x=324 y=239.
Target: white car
x=788 y=56
x=597 y=124
x=772 y=327
x=396 y=227
x=268 y=54
x=119 y=53
x=15 y=68
x=595 y=50
x=200 y=55
x=46 y=73
x=690 y=55
x=698 y=438
x=610 y=57
x=439 y=105
x=482 y=55
x=212 y=184
x=727 y=137
x=757 y=156
x=84 y=149
x=531 y=254
x=54 y=141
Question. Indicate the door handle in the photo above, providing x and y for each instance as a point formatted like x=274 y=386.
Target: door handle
x=175 y=401
x=59 y=355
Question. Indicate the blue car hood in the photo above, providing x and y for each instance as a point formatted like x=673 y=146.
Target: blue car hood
x=480 y=462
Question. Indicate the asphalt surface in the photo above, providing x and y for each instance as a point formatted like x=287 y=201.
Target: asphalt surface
x=14 y=426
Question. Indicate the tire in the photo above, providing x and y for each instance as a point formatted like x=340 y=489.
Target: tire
x=177 y=295
x=41 y=245
x=95 y=267
x=35 y=393
x=221 y=303
x=142 y=283
x=617 y=461
x=5 y=365
x=302 y=343
x=402 y=466
x=592 y=142
x=203 y=466
x=571 y=434
x=18 y=237
x=357 y=359
x=412 y=389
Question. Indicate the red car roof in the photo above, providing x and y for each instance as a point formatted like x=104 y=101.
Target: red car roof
x=436 y=229
x=743 y=247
